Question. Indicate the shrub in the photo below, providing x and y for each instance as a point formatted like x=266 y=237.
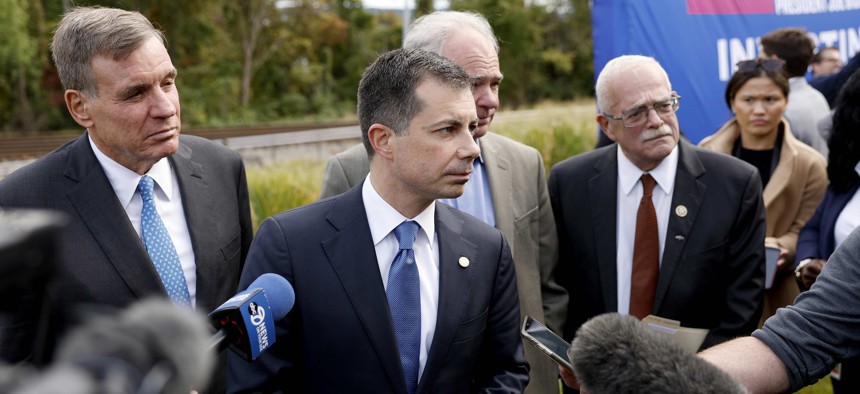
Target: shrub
x=282 y=186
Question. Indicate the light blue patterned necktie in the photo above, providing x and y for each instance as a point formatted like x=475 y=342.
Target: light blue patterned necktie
x=160 y=247
x=404 y=302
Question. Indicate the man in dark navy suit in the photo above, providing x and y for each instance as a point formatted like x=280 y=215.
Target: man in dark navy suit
x=343 y=257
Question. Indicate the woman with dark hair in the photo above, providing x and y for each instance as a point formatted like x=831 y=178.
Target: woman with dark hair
x=839 y=212
x=792 y=173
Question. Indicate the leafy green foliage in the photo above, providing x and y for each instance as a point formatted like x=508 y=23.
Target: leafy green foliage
x=267 y=61
x=23 y=59
x=546 y=48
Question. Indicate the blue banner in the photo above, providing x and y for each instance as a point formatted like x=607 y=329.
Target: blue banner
x=699 y=42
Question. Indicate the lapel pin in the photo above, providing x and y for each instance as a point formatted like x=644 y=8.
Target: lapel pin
x=464 y=261
x=679 y=237
x=681 y=211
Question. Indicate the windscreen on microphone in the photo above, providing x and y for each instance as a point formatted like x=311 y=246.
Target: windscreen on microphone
x=279 y=292
x=613 y=353
x=153 y=346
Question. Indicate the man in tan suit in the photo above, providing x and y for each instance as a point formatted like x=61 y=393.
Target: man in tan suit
x=507 y=187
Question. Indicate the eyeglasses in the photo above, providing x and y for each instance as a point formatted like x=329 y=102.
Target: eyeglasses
x=637 y=116
x=765 y=64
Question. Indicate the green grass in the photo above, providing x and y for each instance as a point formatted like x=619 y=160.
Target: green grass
x=822 y=387
x=557 y=130
x=282 y=186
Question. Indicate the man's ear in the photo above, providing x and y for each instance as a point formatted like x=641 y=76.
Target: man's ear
x=381 y=138
x=79 y=107
x=604 y=126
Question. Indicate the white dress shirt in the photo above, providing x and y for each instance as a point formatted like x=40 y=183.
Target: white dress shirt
x=383 y=219
x=849 y=218
x=168 y=203
x=629 y=194
x=477 y=200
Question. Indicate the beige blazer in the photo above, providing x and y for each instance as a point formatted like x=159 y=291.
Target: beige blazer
x=523 y=214
x=795 y=188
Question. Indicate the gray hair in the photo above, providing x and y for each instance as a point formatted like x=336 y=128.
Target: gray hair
x=626 y=66
x=85 y=33
x=386 y=93
x=431 y=31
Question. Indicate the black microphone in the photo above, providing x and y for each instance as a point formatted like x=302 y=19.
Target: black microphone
x=151 y=347
x=246 y=322
x=614 y=353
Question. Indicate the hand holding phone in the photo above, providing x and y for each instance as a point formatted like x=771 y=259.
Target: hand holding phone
x=546 y=341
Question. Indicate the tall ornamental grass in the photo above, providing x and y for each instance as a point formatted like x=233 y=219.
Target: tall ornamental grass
x=282 y=186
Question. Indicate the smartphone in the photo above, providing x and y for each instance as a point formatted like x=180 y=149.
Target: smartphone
x=771 y=255
x=546 y=341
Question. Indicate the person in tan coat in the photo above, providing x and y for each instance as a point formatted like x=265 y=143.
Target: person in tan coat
x=794 y=175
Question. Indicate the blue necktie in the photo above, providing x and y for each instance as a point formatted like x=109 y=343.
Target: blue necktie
x=160 y=247
x=404 y=301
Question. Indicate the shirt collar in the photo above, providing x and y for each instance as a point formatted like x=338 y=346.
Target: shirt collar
x=480 y=158
x=797 y=81
x=386 y=218
x=664 y=173
x=124 y=181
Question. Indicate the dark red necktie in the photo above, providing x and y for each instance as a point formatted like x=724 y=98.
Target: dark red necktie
x=646 y=254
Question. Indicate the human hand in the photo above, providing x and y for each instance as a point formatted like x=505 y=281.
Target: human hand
x=783 y=253
x=570 y=380
x=809 y=272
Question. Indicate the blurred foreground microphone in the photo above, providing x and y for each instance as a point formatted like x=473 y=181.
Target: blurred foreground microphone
x=28 y=253
x=151 y=347
x=614 y=353
x=246 y=322
x=28 y=239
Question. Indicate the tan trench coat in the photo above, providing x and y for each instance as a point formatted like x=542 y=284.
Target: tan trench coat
x=795 y=189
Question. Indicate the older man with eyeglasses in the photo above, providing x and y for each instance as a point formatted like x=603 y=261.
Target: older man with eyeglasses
x=653 y=226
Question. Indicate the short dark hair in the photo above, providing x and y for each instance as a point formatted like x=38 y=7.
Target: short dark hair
x=85 y=33
x=817 y=57
x=791 y=44
x=740 y=78
x=386 y=93
x=844 y=141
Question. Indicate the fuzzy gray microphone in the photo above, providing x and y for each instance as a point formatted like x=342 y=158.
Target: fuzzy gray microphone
x=614 y=353
x=151 y=347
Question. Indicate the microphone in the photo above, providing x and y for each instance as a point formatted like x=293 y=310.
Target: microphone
x=246 y=322
x=613 y=353
x=151 y=347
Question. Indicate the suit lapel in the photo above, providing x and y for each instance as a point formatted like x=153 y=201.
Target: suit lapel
x=781 y=176
x=101 y=212
x=688 y=193
x=353 y=258
x=603 y=195
x=454 y=287
x=197 y=202
x=501 y=186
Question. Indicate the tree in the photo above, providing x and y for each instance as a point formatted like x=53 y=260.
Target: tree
x=546 y=50
x=251 y=18
x=22 y=61
x=423 y=7
x=254 y=61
